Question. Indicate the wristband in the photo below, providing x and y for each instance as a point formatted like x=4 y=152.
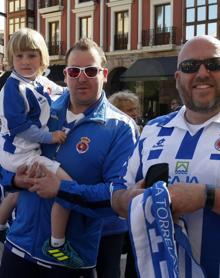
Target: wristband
x=210 y=196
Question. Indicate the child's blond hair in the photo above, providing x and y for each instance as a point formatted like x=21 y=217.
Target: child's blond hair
x=28 y=39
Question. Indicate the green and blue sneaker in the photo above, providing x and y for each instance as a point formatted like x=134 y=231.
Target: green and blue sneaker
x=64 y=254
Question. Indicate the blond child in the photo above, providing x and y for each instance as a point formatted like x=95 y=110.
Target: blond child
x=25 y=111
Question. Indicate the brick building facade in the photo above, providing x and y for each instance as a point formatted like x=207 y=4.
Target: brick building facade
x=141 y=38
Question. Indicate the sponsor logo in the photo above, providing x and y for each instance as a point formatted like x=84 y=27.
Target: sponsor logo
x=182 y=167
x=187 y=179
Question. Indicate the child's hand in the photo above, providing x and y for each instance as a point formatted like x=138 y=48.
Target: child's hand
x=58 y=137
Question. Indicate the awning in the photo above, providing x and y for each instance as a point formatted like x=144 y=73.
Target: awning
x=158 y=68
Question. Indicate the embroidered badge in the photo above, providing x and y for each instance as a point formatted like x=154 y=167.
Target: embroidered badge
x=217 y=144
x=83 y=145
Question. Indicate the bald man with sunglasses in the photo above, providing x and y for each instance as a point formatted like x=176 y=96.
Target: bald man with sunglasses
x=99 y=141
x=189 y=141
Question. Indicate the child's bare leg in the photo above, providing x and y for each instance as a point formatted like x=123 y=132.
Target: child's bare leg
x=59 y=220
x=59 y=217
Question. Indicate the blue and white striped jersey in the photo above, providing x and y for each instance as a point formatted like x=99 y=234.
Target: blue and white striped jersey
x=193 y=157
x=24 y=103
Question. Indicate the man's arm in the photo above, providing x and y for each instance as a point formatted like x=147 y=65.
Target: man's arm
x=122 y=198
x=185 y=198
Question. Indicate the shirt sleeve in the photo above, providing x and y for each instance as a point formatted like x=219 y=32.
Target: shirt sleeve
x=6 y=180
x=36 y=135
x=53 y=88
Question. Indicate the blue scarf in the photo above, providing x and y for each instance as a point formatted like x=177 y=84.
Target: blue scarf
x=161 y=249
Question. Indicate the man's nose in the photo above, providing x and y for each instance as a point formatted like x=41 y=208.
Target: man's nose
x=203 y=71
x=82 y=76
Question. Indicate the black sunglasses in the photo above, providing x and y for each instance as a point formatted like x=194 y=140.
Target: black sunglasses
x=90 y=72
x=192 y=66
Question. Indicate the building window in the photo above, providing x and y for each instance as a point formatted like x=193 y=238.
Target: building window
x=85 y=24
x=162 y=16
x=23 y=4
x=31 y=22
x=11 y=7
x=15 y=24
x=163 y=29
x=121 y=30
x=16 y=5
x=201 y=18
x=54 y=43
x=31 y=5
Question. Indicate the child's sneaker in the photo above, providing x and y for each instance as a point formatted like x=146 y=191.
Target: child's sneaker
x=64 y=254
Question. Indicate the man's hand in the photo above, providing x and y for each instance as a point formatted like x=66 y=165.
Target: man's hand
x=47 y=184
x=59 y=137
x=22 y=178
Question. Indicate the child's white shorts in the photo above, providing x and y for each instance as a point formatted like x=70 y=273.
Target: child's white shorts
x=12 y=161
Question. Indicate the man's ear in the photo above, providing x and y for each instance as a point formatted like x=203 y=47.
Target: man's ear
x=105 y=72
x=177 y=76
x=65 y=74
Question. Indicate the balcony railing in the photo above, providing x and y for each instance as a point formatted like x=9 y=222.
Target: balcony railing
x=159 y=36
x=56 y=48
x=121 y=41
x=50 y=3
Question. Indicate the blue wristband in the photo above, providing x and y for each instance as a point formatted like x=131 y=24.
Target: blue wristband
x=210 y=196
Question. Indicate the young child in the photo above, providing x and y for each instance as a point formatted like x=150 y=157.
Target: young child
x=24 y=113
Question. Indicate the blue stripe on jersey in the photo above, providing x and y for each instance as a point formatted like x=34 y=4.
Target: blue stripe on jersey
x=154 y=154
x=8 y=145
x=35 y=109
x=163 y=120
x=43 y=91
x=210 y=256
x=188 y=145
x=215 y=156
x=165 y=131
x=188 y=265
x=139 y=175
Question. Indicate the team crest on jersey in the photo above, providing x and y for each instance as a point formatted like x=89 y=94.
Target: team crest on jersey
x=83 y=145
x=182 y=167
x=217 y=144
